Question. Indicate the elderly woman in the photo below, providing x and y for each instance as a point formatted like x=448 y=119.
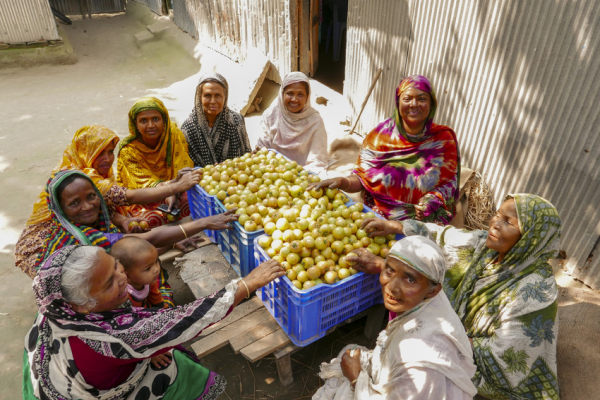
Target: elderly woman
x=502 y=288
x=293 y=127
x=214 y=133
x=80 y=216
x=88 y=342
x=92 y=152
x=154 y=152
x=423 y=353
x=408 y=166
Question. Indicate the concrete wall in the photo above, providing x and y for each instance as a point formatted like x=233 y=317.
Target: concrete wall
x=517 y=81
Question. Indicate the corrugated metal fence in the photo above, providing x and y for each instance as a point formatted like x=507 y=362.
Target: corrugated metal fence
x=73 y=7
x=26 y=21
x=517 y=81
x=235 y=27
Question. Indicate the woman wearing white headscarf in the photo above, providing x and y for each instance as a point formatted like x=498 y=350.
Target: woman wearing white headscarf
x=424 y=353
x=293 y=127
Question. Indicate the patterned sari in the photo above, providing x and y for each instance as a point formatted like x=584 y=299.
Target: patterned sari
x=127 y=333
x=140 y=167
x=508 y=308
x=399 y=171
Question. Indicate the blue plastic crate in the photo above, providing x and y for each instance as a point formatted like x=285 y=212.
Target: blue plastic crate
x=202 y=205
x=307 y=315
x=237 y=245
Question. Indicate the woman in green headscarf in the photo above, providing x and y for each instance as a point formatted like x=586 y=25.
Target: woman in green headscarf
x=154 y=152
x=502 y=288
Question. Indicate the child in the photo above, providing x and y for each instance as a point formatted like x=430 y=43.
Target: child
x=293 y=127
x=142 y=267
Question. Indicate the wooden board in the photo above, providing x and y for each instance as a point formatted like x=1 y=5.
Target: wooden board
x=314 y=36
x=222 y=336
x=254 y=334
x=239 y=312
x=265 y=346
x=304 y=36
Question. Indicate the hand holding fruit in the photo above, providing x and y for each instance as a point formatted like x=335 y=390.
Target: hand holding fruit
x=263 y=274
x=365 y=261
x=135 y=225
x=182 y=172
x=188 y=180
x=333 y=183
x=221 y=221
x=381 y=227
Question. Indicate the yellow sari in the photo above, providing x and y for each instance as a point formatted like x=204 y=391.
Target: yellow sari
x=139 y=166
x=86 y=145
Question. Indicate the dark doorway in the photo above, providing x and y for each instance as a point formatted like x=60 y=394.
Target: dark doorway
x=332 y=44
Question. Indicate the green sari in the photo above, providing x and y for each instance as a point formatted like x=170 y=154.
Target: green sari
x=509 y=308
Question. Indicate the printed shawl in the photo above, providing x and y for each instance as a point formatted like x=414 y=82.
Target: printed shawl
x=64 y=232
x=300 y=136
x=423 y=352
x=124 y=333
x=86 y=145
x=227 y=138
x=139 y=166
x=399 y=171
x=508 y=308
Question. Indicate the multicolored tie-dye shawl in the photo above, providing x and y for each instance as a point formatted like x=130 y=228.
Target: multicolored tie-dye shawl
x=508 y=308
x=124 y=333
x=65 y=232
x=399 y=171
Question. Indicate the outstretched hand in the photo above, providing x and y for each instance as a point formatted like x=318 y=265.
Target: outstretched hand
x=189 y=180
x=263 y=274
x=182 y=172
x=364 y=261
x=189 y=244
x=221 y=221
x=381 y=227
x=333 y=183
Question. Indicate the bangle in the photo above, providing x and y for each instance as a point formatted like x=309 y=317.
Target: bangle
x=247 y=290
x=353 y=384
x=348 y=180
x=170 y=188
x=183 y=230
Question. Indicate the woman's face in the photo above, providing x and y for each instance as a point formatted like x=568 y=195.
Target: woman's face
x=151 y=126
x=404 y=288
x=104 y=161
x=414 y=106
x=295 y=96
x=504 y=230
x=213 y=99
x=79 y=202
x=108 y=284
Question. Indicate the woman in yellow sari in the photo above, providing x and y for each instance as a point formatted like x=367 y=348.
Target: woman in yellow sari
x=92 y=152
x=154 y=152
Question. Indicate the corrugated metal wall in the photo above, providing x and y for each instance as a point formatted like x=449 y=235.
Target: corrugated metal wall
x=155 y=5
x=517 y=81
x=72 y=7
x=236 y=27
x=26 y=21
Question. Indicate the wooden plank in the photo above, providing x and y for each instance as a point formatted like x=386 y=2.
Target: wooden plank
x=221 y=274
x=239 y=312
x=266 y=345
x=314 y=36
x=284 y=351
x=222 y=336
x=254 y=334
x=170 y=255
x=284 y=370
x=304 y=35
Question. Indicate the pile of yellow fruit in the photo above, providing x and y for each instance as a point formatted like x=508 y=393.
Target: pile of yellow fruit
x=311 y=233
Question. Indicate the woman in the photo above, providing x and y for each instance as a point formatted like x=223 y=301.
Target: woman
x=408 y=166
x=502 y=288
x=154 y=152
x=423 y=353
x=89 y=343
x=214 y=133
x=293 y=127
x=91 y=151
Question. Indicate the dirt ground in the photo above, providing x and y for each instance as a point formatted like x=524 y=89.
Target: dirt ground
x=44 y=106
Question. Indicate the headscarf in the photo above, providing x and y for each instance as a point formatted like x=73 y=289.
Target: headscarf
x=227 y=139
x=86 y=145
x=139 y=166
x=64 y=232
x=421 y=254
x=399 y=171
x=124 y=333
x=299 y=136
x=485 y=281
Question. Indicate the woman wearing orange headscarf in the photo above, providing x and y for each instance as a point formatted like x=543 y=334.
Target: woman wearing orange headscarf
x=91 y=151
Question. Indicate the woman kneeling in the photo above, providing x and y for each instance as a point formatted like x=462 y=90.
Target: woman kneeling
x=423 y=353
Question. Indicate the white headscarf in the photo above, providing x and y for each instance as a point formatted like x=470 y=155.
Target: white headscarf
x=422 y=255
x=299 y=136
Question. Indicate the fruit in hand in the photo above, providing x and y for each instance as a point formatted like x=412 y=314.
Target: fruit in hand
x=132 y=225
x=144 y=225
